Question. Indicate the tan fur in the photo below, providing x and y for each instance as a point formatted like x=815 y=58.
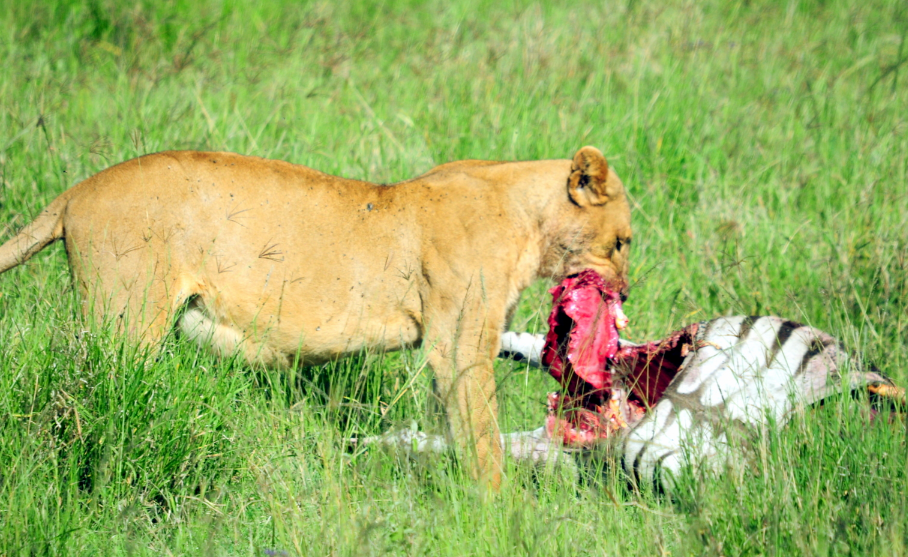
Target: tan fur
x=280 y=261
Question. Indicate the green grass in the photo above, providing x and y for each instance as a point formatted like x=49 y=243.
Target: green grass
x=765 y=149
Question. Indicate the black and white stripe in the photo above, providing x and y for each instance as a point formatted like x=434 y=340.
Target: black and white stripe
x=742 y=376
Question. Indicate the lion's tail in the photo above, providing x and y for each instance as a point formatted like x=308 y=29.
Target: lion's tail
x=47 y=227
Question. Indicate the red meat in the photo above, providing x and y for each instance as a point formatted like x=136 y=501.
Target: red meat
x=606 y=388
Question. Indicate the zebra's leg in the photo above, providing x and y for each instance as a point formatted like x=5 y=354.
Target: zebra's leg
x=409 y=440
x=522 y=347
x=533 y=447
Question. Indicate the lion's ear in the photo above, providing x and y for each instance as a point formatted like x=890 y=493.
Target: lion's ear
x=588 y=182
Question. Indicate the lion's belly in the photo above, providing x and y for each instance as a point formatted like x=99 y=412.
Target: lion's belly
x=284 y=322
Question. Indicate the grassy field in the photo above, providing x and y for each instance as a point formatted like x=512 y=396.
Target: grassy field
x=765 y=148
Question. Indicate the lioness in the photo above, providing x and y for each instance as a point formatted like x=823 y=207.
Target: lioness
x=284 y=263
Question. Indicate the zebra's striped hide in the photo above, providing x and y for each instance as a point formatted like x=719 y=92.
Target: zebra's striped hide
x=739 y=377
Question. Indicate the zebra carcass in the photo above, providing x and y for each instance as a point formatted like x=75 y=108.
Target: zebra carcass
x=695 y=398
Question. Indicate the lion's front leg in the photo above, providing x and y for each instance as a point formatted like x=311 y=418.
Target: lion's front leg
x=462 y=346
x=465 y=384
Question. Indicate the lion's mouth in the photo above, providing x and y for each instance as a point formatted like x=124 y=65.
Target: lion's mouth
x=607 y=385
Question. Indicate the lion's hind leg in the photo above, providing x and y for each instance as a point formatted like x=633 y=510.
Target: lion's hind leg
x=135 y=300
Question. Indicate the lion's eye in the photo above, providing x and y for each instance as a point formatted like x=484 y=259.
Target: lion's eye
x=619 y=243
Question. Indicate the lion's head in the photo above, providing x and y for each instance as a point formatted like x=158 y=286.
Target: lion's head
x=593 y=229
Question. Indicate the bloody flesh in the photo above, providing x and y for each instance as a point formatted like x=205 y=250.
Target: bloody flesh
x=606 y=387
x=582 y=334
